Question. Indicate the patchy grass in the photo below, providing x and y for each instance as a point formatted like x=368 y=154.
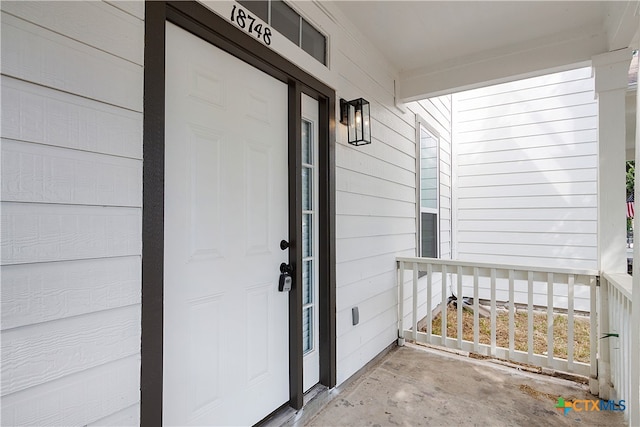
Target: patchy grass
x=581 y=337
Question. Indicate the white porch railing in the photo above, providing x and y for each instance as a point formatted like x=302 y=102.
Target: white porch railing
x=534 y=290
x=616 y=369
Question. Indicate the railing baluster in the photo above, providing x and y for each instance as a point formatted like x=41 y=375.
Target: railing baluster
x=530 y=316
x=604 y=364
x=429 y=304
x=493 y=312
x=476 y=309
x=570 y=322
x=512 y=319
x=401 y=301
x=443 y=312
x=550 y=320
x=593 y=334
x=414 y=326
x=460 y=303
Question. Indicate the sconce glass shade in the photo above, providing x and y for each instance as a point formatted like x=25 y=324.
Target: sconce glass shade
x=356 y=115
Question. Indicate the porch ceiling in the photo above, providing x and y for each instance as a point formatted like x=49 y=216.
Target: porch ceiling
x=445 y=46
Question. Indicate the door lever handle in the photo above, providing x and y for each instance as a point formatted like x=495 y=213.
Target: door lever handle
x=286 y=268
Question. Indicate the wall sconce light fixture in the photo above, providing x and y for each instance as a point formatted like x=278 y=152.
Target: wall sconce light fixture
x=357 y=116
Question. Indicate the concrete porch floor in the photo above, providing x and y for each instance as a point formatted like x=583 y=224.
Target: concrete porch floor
x=413 y=386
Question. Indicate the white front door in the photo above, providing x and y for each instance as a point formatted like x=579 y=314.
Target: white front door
x=225 y=211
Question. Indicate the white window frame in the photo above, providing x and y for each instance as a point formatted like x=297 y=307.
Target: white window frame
x=421 y=124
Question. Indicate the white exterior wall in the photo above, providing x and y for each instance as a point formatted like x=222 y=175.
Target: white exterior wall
x=526 y=184
x=71 y=190
x=72 y=81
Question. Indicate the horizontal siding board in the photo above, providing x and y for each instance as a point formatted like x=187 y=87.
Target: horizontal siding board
x=550 y=238
x=93 y=23
x=133 y=7
x=77 y=399
x=369 y=165
x=535 y=92
x=522 y=153
x=40 y=233
x=533 y=82
x=540 y=251
x=360 y=291
x=385 y=149
x=552 y=127
x=540 y=202
x=33 y=113
x=525 y=190
x=78 y=343
x=506 y=180
x=516 y=107
x=529 y=226
x=348 y=226
x=38 y=173
x=127 y=417
x=364 y=247
x=38 y=293
x=358 y=204
x=354 y=271
x=61 y=63
x=355 y=182
x=520 y=166
x=369 y=309
x=393 y=120
x=527 y=142
x=352 y=340
x=554 y=113
x=437 y=120
x=404 y=148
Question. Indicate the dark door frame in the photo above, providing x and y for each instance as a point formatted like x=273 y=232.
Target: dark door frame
x=205 y=24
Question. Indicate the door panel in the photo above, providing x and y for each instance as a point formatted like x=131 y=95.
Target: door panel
x=226 y=210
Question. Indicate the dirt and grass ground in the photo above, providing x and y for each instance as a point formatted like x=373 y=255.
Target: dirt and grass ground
x=581 y=335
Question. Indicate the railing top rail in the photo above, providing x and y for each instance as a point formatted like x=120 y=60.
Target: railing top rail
x=621 y=281
x=449 y=262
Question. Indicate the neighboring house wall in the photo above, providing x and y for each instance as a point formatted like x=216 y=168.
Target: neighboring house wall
x=525 y=185
x=72 y=81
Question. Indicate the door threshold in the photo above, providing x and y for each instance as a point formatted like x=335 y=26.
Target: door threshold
x=313 y=401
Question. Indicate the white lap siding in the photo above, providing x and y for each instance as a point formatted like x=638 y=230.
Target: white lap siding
x=527 y=172
x=71 y=212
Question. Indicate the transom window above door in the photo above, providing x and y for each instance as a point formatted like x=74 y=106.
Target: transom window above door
x=290 y=24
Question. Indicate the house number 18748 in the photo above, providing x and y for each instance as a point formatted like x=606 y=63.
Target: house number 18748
x=248 y=22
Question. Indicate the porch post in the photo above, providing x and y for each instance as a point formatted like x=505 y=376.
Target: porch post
x=611 y=80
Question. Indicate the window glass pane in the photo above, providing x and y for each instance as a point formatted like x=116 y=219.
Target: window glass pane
x=313 y=42
x=307 y=333
x=428 y=170
x=306 y=235
x=307 y=189
x=429 y=229
x=307 y=282
x=306 y=143
x=258 y=7
x=285 y=20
